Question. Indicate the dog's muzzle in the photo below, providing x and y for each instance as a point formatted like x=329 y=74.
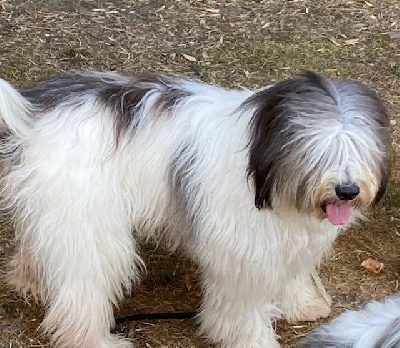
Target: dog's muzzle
x=338 y=211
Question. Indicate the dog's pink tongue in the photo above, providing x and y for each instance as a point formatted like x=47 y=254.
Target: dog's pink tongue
x=338 y=214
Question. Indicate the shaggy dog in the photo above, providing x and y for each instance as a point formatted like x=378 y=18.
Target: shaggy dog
x=253 y=185
x=376 y=326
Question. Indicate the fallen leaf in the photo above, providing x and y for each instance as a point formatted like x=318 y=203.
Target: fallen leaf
x=189 y=57
x=372 y=265
x=212 y=10
x=334 y=41
x=160 y=9
x=351 y=41
x=189 y=282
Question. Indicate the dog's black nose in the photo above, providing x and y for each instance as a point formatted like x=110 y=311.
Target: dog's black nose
x=347 y=192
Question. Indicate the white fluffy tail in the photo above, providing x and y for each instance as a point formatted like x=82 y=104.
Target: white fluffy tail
x=376 y=326
x=15 y=110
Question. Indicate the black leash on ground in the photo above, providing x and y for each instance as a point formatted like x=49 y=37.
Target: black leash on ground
x=155 y=316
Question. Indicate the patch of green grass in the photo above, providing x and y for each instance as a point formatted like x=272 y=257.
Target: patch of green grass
x=396 y=72
x=287 y=52
x=14 y=74
x=74 y=55
x=21 y=74
x=391 y=199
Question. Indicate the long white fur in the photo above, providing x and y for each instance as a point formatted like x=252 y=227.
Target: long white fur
x=76 y=199
x=11 y=105
x=375 y=326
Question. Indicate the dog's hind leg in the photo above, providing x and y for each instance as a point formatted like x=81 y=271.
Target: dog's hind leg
x=88 y=255
x=23 y=276
x=77 y=217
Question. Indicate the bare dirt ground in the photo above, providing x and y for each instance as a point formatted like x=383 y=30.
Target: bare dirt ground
x=232 y=43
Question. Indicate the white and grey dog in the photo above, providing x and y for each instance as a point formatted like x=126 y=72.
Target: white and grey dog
x=376 y=326
x=253 y=185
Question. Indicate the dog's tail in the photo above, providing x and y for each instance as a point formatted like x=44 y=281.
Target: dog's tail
x=15 y=110
x=376 y=326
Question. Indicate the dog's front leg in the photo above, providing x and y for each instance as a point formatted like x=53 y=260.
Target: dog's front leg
x=302 y=301
x=234 y=313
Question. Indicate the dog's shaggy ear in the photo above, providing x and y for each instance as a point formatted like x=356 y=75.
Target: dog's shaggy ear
x=263 y=166
x=383 y=120
x=385 y=170
x=270 y=130
x=268 y=135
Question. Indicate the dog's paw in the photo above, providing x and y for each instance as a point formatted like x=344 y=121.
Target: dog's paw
x=317 y=309
x=269 y=344
x=115 y=341
x=21 y=276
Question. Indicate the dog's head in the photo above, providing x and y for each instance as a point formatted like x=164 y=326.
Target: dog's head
x=319 y=146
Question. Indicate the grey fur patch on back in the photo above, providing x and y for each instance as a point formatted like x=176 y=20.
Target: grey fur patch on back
x=49 y=94
x=126 y=100
x=119 y=93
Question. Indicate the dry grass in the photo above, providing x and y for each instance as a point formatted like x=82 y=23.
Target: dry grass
x=233 y=43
